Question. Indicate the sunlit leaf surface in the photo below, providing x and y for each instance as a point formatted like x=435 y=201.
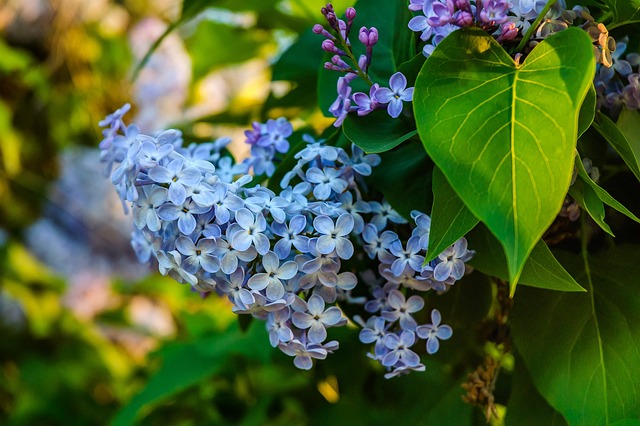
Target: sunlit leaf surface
x=504 y=134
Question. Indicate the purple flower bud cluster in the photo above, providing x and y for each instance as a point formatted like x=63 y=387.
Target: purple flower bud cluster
x=338 y=44
x=286 y=258
x=441 y=17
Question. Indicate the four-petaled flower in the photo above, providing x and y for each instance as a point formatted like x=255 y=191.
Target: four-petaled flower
x=325 y=181
x=179 y=178
x=394 y=96
x=452 y=261
x=198 y=256
x=434 y=331
x=316 y=319
x=273 y=273
x=401 y=309
x=302 y=353
x=334 y=237
x=399 y=349
x=248 y=230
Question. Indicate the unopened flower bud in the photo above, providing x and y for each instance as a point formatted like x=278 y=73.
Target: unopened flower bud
x=318 y=29
x=463 y=19
x=363 y=35
x=328 y=46
x=462 y=5
x=350 y=13
x=368 y=37
x=509 y=31
x=373 y=36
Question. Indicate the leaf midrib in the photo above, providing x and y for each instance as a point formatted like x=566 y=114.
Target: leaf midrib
x=590 y=291
x=514 y=97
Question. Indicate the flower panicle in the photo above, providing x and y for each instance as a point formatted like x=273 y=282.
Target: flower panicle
x=283 y=257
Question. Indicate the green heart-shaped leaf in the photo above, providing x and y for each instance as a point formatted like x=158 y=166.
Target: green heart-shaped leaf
x=504 y=134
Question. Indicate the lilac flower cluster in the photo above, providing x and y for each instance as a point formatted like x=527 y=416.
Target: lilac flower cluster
x=284 y=258
x=392 y=328
x=266 y=141
x=504 y=19
x=337 y=42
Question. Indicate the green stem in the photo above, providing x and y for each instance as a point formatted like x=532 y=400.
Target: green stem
x=534 y=26
x=347 y=49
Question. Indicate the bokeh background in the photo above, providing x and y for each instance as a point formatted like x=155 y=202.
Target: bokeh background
x=87 y=334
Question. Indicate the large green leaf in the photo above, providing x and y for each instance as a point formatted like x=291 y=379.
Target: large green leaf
x=504 y=134
x=583 y=349
x=624 y=12
x=541 y=270
x=630 y=153
x=450 y=218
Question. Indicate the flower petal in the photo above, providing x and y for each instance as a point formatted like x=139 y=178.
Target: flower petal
x=398 y=82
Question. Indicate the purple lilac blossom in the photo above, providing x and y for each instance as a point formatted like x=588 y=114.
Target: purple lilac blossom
x=395 y=95
x=269 y=252
x=434 y=332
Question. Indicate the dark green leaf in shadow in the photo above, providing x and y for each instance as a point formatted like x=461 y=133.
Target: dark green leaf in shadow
x=624 y=12
x=526 y=407
x=463 y=307
x=404 y=177
x=587 y=198
x=541 y=270
x=583 y=349
x=619 y=142
x=587 y=111
x=602 y=194
x=412 y=67
x=404 y=45
x=377 y=132
x=301 y=60
x=450 y=218
x=629 y=124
